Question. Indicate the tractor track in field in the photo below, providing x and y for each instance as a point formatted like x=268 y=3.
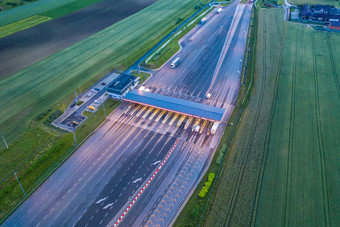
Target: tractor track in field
x=335 y=74
x=269 y=128
x=326 y=208
x=245 y=154
x=288 y=193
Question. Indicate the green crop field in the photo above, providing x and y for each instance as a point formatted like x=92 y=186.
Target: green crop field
x=31 y=91
x=22 y=24
x=31 y=9
x=335 y=3
x=283 y=167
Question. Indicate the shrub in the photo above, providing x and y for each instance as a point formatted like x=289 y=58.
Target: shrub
x=79 y=103
x=207 y=185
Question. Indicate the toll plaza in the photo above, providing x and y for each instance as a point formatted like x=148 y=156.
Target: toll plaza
x=180 y=106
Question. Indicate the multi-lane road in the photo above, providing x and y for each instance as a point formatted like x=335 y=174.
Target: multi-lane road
x=94 y=185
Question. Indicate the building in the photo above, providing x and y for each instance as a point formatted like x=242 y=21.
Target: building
x=320 y=13
x=334 y=25
x=122 y=85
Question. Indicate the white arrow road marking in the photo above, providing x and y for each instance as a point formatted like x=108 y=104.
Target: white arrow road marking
x=101 y=200
x=108 y=206
x=156 y=162
x=137 y=180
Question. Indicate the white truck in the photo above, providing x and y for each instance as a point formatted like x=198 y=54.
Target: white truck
x=214 y=128
x=219 y=10
x=175 y=63
x=203 y=20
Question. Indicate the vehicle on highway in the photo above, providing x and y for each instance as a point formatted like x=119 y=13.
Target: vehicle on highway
x=203 y=20
x=208 y=96
x=96 y=101
x=219 y=10
x=214 y=128
x=91 y=108
x=175 y=63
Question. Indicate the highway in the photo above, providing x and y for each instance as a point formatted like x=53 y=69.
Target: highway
x=94 y=185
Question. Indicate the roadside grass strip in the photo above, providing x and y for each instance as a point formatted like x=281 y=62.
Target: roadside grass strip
x=120 y=219
x=22 y=25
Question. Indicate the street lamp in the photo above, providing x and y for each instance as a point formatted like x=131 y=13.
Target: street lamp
x=103 y=106
x=20 y=184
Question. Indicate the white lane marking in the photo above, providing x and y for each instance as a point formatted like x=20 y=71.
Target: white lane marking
x=156 y=162
x=38 y=224
x=101 y=221
x=106 y=214
x=137 y=180
x=97 y=210
x=108 y=205
x=124 y=189
x=91 y=218
x=120 y=194
x=101 y=200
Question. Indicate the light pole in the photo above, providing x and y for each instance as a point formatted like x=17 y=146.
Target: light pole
x=103 y=106
x=74 y=136
x=20 y=184
x=3 y=137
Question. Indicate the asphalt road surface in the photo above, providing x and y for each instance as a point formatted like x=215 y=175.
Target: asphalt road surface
x=92 y=187
x=29 y=46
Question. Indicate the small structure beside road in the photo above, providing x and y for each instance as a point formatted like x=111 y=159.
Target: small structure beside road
x=122 y=85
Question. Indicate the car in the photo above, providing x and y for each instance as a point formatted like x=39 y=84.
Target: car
x=103 y=83
x=75 y=123
x=96 y=101
x=91 y=108
x=88 y=94
x=96 y=89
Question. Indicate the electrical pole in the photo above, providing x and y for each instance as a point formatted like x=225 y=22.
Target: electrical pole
x=173 y=46
x=20 y=184
x=157 y=60
x=3 y=137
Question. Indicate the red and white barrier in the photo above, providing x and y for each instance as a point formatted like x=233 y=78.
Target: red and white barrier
x=146 y=185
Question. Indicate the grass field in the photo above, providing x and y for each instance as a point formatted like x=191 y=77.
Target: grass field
x=283 y=167
x=31 y=9
x=335 y=3
x=22 y=24
x=36 y=88
x=68 y=8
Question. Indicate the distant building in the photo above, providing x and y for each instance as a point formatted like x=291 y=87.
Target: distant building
x=320 y=13
x=122 y=85
x=334 y=25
